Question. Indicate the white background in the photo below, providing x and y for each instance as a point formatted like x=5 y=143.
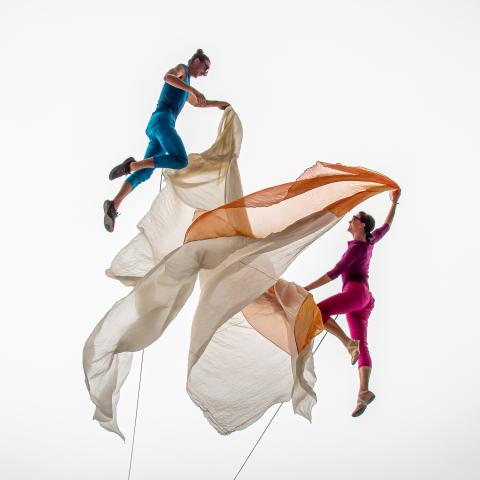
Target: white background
x=393 y=86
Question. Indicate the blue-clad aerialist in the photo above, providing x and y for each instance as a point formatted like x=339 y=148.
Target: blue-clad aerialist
x=165 y=149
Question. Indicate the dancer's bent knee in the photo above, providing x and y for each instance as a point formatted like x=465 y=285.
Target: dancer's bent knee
x=174 y=161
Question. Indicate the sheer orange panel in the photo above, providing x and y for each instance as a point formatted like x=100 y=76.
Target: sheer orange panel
x=323 y=168
x=268 y=318
x=308 y=323
x=262 y=220
x=273 y=209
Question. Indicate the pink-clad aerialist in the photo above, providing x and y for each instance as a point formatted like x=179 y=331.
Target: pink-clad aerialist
x=355 y=301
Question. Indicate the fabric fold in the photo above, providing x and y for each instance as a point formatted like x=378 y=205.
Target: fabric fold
x=250 y=347
x=211 y=179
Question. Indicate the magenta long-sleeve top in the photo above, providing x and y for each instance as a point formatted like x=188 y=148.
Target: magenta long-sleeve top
x=353 y=266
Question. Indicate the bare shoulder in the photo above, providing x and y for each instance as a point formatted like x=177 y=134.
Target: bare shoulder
x=179 y=71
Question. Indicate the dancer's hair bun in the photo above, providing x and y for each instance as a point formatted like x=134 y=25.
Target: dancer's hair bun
x=200 y=55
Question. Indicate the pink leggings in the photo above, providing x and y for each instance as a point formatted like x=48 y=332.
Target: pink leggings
x=357 y=302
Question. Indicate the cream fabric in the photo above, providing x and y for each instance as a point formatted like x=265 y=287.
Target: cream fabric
x=243 y=268
x=246 y=353
x=211 y=179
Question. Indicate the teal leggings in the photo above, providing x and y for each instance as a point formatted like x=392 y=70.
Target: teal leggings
x=165 y=146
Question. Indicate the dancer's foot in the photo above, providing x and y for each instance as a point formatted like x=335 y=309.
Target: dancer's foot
x=354 y=350
x=121 y=169
x=110 y=215
x=363 y=400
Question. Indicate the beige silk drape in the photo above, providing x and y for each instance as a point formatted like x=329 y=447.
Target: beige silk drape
x=249 y=348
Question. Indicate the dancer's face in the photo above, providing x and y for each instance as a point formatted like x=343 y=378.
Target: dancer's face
x=200 y=69
x=355 y=225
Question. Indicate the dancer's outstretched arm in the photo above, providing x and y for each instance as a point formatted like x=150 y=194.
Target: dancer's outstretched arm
x=394 y=196
x=174 y=77
x=348 y=258
x=208 y=103
x=318 y=283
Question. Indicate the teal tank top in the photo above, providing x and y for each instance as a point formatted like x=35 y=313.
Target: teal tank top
x=171 y=98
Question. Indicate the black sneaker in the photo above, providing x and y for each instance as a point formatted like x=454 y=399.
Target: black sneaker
x=110 y=215
x=121 y=169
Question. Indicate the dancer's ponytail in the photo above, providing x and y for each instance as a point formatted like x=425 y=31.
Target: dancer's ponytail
x=369 y=223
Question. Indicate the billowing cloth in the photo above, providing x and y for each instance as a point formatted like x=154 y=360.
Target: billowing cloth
x=211 y=179
x=249 y=348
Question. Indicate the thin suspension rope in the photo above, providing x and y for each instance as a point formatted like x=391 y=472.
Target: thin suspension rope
x=258 y=441
x=139 y=387
x=274 y=415
x=136 y=415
